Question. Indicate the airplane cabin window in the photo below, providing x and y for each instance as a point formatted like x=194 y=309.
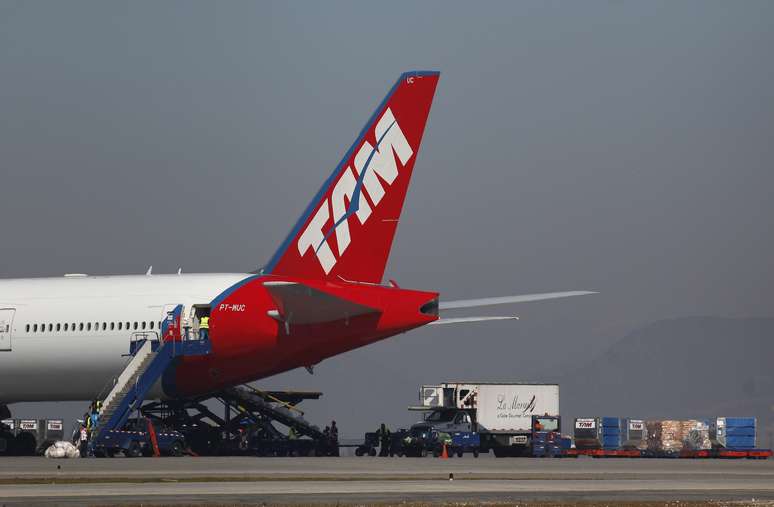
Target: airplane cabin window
x=80 y=326
x=150 y=324
x=50 y=327
x=27 y=328
x=104 y=326
x=112 y=326
x=35 y=328
x=127 y=326
x=88 y=326
x=120 y=325
x=67 y=326
x=143 y=324
x=59 y=327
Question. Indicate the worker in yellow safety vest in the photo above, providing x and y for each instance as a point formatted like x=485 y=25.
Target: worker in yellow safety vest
x=204 y=327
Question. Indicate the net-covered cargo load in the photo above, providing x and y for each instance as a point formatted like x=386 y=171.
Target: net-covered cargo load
x=696 y=435
x=671 y=436
x=665 y=436
x=654 y=435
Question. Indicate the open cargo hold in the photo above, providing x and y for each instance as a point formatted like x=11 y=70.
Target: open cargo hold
x=696 y=435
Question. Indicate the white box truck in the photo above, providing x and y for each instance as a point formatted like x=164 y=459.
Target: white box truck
x=501 y=413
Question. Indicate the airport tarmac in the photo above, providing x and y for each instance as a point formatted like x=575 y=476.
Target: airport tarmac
x=377 y=480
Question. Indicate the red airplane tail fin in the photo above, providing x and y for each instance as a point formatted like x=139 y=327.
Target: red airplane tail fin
x=347 y=230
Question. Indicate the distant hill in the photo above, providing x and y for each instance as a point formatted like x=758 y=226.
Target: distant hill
x=680 y=368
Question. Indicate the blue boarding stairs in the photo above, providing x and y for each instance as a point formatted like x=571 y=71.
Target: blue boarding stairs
x=150 y=359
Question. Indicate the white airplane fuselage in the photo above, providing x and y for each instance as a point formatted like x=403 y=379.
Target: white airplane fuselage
x=67 y=337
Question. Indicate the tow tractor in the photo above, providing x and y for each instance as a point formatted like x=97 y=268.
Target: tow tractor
x=140 y=437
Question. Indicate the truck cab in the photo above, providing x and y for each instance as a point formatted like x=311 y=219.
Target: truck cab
x=450 y=420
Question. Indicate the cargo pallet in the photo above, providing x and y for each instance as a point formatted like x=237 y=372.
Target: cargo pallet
x=701 y=454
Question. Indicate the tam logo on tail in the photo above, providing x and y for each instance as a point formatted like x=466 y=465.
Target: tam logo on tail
x=371 y=163
x=370 y=183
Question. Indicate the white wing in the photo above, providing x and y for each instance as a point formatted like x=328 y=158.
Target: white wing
x=461 y=320
x=471 y=303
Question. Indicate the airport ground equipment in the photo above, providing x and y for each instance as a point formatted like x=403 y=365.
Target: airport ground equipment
x=27 y=437
x=734 y=432
x=248 y=424
x=716 y=438
x=501 y=413
x=397 y=439
x=140 y=437
x=597 y=432
x=369 y=446
x=465 y=442
x=546 y=438
x=150 y=358
x=634 y=434
x=372 y=445
x=718 y=453
x=423 y=439
x=7 y=437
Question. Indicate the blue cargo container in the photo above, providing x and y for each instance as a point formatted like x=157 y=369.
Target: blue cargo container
x=735 y=432
x=740 y=442
x=610 y=432
x=740 y=422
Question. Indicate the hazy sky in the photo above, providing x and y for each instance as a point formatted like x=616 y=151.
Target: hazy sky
x=624 y=147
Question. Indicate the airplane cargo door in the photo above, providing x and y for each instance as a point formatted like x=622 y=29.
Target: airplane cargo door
x=6 y=321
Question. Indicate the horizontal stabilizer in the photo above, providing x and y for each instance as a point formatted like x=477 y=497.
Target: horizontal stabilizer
x=462 y=320
x=473 y=303
x=300 y=304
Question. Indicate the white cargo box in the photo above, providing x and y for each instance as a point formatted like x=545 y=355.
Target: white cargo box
x=503 y=407
x=510 y=407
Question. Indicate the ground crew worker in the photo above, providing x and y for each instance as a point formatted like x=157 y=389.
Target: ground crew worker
x=334 y=433
x=204 y=327
x=384 y=440
x=83 y=441
x=94 y=416
x=334 y=436
x=292 y=434
x=186 y=329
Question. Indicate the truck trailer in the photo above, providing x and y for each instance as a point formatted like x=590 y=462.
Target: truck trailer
x=501 y=414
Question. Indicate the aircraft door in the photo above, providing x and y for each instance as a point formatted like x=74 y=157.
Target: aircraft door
x=171 y=325
x=6 y=327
